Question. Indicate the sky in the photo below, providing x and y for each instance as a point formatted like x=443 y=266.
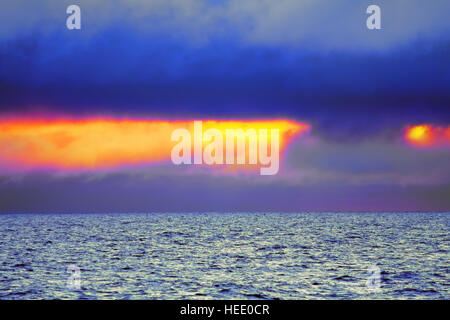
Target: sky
x=312 y=62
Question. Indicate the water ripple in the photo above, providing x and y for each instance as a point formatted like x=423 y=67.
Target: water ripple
x=225 y=256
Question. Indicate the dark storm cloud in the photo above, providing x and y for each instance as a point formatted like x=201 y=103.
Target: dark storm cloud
x=119 y=73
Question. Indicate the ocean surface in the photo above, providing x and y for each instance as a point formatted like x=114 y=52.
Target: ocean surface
x=225 y=256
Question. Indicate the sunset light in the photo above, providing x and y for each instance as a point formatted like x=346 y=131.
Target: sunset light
x=105 y=143
x=426 y=135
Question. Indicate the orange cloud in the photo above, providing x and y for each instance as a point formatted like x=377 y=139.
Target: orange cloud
x=426 y=135
x=106 y=143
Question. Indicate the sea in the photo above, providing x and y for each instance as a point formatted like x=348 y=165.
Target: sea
x=225 y=256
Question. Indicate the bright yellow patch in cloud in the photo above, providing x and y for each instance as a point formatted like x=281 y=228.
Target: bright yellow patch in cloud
x=106 y=143
x=426 y=135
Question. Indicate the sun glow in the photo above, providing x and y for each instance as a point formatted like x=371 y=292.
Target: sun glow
x=426 y=135
x=106 y=143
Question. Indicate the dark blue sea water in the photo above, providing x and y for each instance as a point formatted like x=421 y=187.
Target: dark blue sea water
x=225 y=256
